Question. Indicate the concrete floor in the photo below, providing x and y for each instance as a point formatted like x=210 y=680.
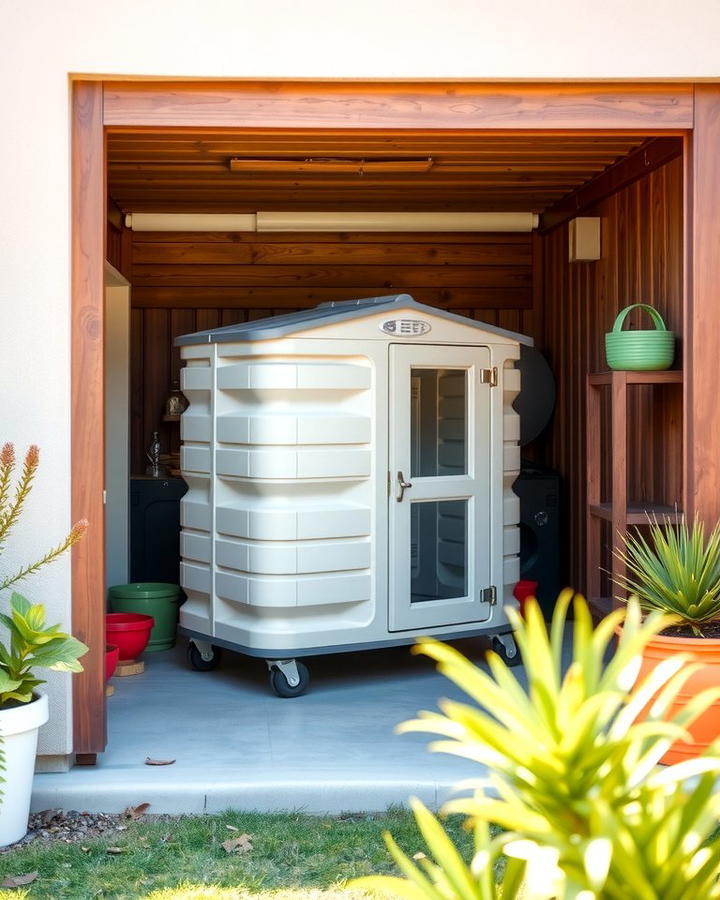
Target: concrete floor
x=238 y=745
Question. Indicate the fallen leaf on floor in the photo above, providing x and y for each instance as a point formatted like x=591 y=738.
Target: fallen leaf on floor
x=158 y=762
x=240 y=844
x=116 y=850
x=232 y=828
x=135 y=812
x=14 y=881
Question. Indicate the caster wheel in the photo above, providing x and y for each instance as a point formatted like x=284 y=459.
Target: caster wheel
x=506 y=648
x=198 y=663
x=281 y=686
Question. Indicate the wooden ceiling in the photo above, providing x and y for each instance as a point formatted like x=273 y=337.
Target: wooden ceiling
x=181 y=170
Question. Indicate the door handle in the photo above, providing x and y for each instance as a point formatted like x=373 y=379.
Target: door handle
x=403 y=485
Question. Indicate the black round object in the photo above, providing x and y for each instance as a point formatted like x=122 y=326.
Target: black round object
x=502 y=652
x=536 y=400
x=279 y=682
x=198 y=663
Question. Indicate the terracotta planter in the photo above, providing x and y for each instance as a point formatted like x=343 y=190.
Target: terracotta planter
x=705 y=651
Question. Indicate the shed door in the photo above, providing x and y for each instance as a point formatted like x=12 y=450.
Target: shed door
x=439 y=498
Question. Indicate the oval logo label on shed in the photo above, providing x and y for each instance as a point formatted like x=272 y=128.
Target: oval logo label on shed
x=405 y=327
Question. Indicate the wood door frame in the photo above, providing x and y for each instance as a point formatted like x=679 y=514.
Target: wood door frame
x=598 y=108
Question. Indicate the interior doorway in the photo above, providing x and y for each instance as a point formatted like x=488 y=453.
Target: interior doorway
x=580 y=122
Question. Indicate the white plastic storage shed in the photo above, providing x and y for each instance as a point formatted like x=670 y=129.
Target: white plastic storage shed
x=350 y=472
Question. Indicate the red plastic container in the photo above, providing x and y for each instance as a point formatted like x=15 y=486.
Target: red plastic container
x=112 y=654
x=523 y=590
x=130 y=632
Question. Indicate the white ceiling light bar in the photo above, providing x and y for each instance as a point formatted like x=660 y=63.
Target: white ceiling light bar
x=334 y=221
x=396 y=221
x=190 y=222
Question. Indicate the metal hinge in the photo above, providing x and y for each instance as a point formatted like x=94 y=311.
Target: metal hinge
x=489 y=376
x=489 y=595
x=104 y=498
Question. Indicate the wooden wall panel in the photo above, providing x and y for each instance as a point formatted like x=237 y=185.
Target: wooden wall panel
x=113 y=246
x=642 y=245
x=184 y=282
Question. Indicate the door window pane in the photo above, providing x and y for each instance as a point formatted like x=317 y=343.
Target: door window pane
x=438 y=422
x=438 y=550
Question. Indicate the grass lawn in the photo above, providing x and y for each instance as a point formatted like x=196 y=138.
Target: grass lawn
x=293 y=857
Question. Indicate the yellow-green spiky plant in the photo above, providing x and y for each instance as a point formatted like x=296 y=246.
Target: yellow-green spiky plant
x=572 y=762
x=33 y=644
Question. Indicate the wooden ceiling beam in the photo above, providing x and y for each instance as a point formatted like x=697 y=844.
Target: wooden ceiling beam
x=159 y=133
x=505 y=204
x=398 y=105
x=129 y=170
x=339 y=238
x=431 y=188
x=652 y=155
x=445 y=155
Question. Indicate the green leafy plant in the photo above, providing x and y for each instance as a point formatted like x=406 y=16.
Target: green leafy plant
x=677 y=571
x=33 y=645
x=572 y=763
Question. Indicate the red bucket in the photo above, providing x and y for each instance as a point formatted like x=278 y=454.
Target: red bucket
x=523 y=590
x=112 y=654
x=130 y=632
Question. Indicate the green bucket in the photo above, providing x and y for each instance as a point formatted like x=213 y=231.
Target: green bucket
x=640 y=351
x=151 y=598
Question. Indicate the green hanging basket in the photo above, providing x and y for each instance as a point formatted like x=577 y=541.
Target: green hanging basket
x=640 y=351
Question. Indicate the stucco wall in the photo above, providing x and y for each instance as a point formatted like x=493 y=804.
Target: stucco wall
x=42 y=42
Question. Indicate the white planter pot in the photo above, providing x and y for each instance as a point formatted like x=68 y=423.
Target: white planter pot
x=19 y=731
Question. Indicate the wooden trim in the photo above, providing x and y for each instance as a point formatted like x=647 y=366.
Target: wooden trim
x=687 y=262
x=703 y=446
x=593 y=471
x=87 y=412
x=666 y=376
x=635 y=165
x=618 y=434
x=398 y=105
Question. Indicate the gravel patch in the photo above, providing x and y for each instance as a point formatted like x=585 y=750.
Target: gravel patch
x=73 y=827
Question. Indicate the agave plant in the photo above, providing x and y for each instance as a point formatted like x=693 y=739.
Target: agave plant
x=676 y=571
x=572 y=768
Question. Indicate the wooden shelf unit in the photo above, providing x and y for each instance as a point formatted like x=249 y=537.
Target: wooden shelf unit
x=617 y=511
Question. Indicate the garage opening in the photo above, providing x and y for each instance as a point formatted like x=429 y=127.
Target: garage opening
x=191 y=272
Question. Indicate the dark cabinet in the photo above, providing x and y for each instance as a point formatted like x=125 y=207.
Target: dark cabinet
x=539 y=491
x=155 y=529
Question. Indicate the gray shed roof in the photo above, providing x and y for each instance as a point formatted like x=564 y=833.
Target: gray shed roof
x=334 y=311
